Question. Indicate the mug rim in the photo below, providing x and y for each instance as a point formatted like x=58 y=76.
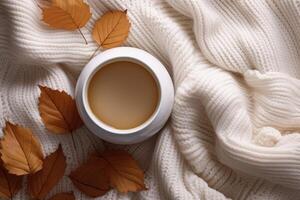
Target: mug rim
x=98 y=121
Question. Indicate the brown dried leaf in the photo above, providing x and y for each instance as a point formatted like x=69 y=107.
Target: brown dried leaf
x=63 y=196
x=58 y=111
x=67 y=14
x=123 y=171
x=10 y=184
x=111 y=29
x=21 y=150
x=90 y=179
x=42 y=182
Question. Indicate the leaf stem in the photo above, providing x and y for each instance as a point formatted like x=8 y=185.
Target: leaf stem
x=94 y=53
x=74 y=144
x=37 y=3
x=93 y=145
x=73 y=140
x=82 y=36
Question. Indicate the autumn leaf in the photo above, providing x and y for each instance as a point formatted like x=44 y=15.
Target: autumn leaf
x=10 y=184
x=63 y=196
x=67 y=15
x=122 y=170
x=90 y=179
x=112 y=168
x=42 y=182
x=58 y=111
x=111 y=29
x=21 y=150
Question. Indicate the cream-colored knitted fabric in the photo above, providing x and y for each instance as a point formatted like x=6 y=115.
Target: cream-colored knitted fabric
x=234 y=131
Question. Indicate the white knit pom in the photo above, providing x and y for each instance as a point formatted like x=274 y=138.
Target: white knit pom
x=267 y=136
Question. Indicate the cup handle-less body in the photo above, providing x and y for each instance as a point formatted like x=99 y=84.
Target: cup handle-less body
x=154 y=123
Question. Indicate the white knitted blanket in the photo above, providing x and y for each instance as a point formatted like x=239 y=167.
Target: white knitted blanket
x=234 y=131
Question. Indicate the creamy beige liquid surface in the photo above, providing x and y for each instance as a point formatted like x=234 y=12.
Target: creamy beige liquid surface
x=123 y=94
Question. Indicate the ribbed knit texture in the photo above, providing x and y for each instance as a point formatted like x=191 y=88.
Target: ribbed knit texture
x=234 y=130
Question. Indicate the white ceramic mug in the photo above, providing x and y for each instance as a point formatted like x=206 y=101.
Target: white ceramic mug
x=149 y=127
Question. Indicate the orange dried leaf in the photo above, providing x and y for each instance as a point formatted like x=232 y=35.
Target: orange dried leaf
x=58 y=111
x=123 y=171
x=67 y=14
x=111 y=29
x=90 y=179
x=21 y=150
x=9 y=184
x=63 y=196
x=42 y=182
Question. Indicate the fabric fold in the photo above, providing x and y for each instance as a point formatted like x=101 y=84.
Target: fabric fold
x=234 y=132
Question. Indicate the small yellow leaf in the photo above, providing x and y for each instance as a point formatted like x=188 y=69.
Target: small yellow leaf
x=58 y=111
x=111 y=29
x=21 y=150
